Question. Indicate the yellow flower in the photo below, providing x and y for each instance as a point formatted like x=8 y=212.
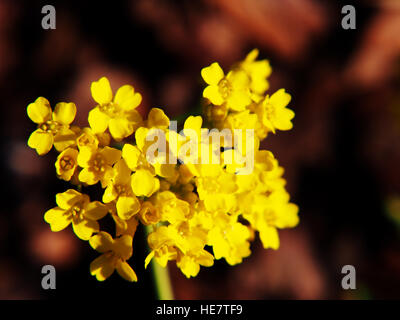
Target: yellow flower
x=87 y=138
x=149 y=214
x=115 y=253
x=232 y=89
x=273 y=113
x=97 y=164
x=170 y=207
x=269 y=213
x=164 y=243
x=258 y=72
x=66 y=163
x=76 y=208
x=53 y=127
x=229 y=238
x=190 y=263
x=144 y=183
x=119 y=190
x=118 y=114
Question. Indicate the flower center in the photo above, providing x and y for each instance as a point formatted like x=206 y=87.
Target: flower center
x=122 y=190
x=85 y=140
x=111 y=109
x=50 y=126
x=77 y=211
x=67 y=163
x=98 y=163
x=224 y=88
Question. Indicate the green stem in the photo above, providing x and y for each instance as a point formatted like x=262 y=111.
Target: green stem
x=161 y=277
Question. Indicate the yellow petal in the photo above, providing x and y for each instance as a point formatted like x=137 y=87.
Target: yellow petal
x=140 y=137
x=101 y=91
x=144 y=184
x=127 y=207
x=269 y=237
x=88 y=177
x=127 y=98
x=212 y=93
x=69 y=198
x=98 y=120
x=148 y=259
x=95 y=210
x=280 y=99
x=111 y=155
x=126 y=272
x=212 y=74
x=85 y=155
x=110 y=194
x=41 y=141
x=102 y=267
x=123 y=246
x=39 y=111
x=157 y=118
x=120 y=128
x=131 y=155
x=84 y=228
x=102 y=242
x=64 y=112
x=64 y=138
x=238 y=100
x=58 y=219
x=122 y=173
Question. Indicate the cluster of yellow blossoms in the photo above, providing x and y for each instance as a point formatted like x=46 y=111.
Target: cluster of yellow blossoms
x=196 y=212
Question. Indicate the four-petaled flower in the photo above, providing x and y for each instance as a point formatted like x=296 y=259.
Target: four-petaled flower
x=76 y=208
x=115 y=253
x=53 y=126
x=118 y=114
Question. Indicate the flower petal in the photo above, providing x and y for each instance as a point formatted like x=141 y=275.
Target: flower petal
x=84 y=228
x=102 y=242
x=64 y=112
x=111 y=155
x=131 y=155
x=88 y=177
x=269 y=237
x=69 y=198
x=127 y=98
x=212 y=93
x=126 y=272
x=143 y=183
x=101 y=91
x=157 y=118
x=39 y=111
x=98 y=120
x=41 y=141
x=212 y=74
x=102 y=267
x=95 y=210
x=58 y=219
x=120 y=128
x=127 y=207
x=64 y=138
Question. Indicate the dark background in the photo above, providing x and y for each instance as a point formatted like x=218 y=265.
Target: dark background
x=341 y=159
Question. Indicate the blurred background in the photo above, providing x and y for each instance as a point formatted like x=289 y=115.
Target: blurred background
x=342 y=158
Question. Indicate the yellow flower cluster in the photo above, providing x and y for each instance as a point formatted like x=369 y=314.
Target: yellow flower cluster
x=238 y=100
x=196 y=212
